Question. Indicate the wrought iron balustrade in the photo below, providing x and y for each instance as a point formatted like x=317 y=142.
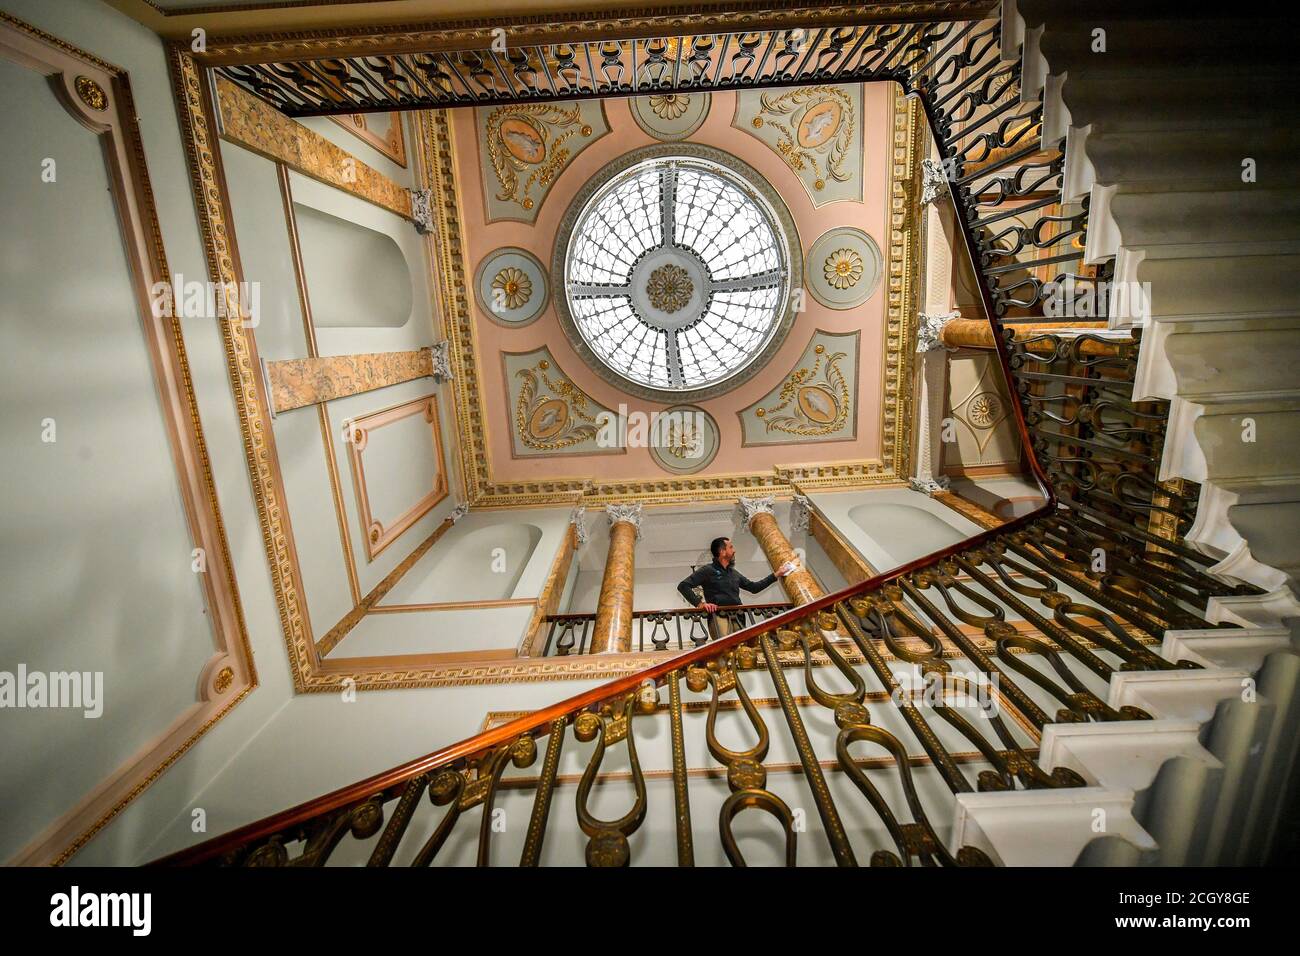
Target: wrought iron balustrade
x=670 y=629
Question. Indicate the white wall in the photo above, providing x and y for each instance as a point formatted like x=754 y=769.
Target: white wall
x=96 y=575
x=901 y=524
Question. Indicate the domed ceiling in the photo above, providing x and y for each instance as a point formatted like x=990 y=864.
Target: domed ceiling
x=741 y=258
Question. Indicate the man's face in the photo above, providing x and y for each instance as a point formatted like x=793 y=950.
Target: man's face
x=728 y=553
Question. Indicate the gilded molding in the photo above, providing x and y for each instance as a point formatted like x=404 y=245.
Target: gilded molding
x=247 y=121
x=378 y=592
x=208 y=183
x=309 y=381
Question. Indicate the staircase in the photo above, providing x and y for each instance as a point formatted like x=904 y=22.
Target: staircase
x=1144 y=709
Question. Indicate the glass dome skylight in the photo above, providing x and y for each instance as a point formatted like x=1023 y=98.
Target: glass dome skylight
x=676 y=274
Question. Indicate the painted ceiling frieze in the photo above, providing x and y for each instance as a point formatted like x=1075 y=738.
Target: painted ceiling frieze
x=512 y=287
x=844 y=268
x=549 y=414
x=524 y=148
x=670 y=116
x=817 y=132
x=816 y=401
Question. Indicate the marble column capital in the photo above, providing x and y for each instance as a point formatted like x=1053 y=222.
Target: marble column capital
x=929 y=330
x=441 y=362
x=929 y=485
x=751 y=507
x=934 y=183
x=631 y=513
x=578 y=518
x=422 y=210
x=800 y=508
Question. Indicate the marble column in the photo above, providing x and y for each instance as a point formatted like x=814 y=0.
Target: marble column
x=613 y=630
x=799 y=586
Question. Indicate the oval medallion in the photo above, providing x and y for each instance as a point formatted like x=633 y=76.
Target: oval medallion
x=523 y=141
x=817 y=402
x=819 y=124
x=549 y=419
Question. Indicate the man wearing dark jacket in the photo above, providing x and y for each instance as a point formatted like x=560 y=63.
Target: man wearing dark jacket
x=721 y=581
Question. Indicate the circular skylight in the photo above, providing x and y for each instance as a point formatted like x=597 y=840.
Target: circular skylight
x=676 y=275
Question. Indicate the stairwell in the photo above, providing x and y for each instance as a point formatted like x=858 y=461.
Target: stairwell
x=1180 y=133
x=1153 y=134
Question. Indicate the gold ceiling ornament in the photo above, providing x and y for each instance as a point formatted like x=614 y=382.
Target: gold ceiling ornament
x=669 y=106
x=549 y=422
x=513 y=287
x=821 y=138
x=528 y=138
x=985 y=410
x=223 y=681
x=684 y=442
x=669 y=288
x=91 y=93
x=843 y=268
x=816 y=406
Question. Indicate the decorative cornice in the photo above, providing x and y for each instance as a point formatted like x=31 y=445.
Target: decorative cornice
x=737 y=17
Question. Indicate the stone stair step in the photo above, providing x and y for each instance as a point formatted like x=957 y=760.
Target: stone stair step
x=1044 y=827
x=1177 y=695
x=1243 y=649
x=1121 y=755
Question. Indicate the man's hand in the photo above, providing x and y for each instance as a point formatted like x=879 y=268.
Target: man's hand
x=708 y=606
x=785 y=570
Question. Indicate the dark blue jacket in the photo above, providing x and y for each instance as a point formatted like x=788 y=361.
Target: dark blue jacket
x=721 y=585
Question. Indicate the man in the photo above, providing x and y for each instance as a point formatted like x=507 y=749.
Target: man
x=721 y=582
